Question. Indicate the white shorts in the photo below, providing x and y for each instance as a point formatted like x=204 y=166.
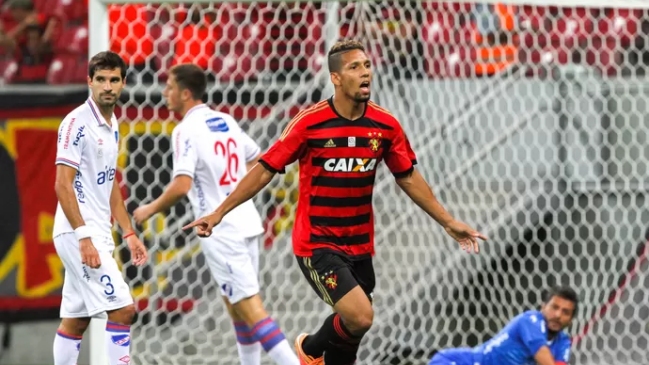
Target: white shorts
x=234 y=263
x=88 y=292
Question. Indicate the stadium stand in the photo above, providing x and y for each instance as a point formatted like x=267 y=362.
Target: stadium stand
x=233 y=32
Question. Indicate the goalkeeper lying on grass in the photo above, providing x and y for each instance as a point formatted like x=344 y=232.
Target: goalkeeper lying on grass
x=533 y=337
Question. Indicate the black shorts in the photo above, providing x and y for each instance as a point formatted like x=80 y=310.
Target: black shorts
x=332 y=275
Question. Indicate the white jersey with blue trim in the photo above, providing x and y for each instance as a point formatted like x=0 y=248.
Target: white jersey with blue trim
x=212 y=149
x=90 y=145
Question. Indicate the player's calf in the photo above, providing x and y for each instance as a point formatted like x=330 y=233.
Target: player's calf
x=341 y=333
x=118 y=335
x=254 y=325
x=67 y=341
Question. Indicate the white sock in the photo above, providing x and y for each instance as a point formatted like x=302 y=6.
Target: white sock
x=118 y=343
x=283 y=354
x=271 y=338
x=66 y=348
x=249 y=349
x=249 y=354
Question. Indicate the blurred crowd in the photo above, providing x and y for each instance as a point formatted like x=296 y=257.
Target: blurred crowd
x=46 y=41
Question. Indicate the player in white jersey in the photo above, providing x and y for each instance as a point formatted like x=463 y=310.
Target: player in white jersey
x=89 y=196
x=211 y=154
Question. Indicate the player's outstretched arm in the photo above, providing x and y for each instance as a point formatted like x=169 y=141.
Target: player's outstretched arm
x=255 y=180
x=118 y=211
x=176 y=190
x=544 y=357
x=65 y=193
x=420 y=192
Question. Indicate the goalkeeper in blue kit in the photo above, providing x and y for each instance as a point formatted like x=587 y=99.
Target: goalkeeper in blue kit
x=531 y=338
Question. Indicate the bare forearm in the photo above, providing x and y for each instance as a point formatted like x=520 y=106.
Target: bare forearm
x=69 y=204
x=418 y=190
x=170 y=196
x=544 y=356
x=255 y=180
x=118 y=209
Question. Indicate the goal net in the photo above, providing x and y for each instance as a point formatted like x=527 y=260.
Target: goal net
x=529 y=120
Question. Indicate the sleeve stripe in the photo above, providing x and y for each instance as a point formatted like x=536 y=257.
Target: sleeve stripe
x=399 y=175
x=380 y=108
x=184 y=172
x=316 y=108
x=270 y=168
x=65 y=161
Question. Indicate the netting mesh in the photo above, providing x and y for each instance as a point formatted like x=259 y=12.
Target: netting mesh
x=529 y=121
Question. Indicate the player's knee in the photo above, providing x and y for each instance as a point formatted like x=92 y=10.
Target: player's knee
x=74 y=326
x=124 y=315
x=251 y=310
x=360 y=321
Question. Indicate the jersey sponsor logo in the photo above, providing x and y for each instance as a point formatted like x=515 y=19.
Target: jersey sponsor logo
x=350 y=164
x=68 y=134
x=496 y=342
x=217 y=124
x=79 y=135
x=107 y=175
x=188 y=146
x=78 y=186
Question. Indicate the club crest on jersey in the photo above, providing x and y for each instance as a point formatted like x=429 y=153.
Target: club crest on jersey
x=330 y=280
x=375 y=141
x=350 y=164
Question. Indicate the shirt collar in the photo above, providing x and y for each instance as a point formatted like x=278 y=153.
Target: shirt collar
x=193 y=109
x=95 y=112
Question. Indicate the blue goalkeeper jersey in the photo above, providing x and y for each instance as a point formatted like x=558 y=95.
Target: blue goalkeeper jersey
x=520 y=340
x=515 y=344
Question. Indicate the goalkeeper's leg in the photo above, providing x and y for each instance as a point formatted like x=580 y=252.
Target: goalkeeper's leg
x=347 y=286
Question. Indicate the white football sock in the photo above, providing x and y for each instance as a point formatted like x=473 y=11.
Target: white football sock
x=66 y=348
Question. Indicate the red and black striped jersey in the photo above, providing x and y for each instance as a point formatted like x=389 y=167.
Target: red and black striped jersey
x=338 y=158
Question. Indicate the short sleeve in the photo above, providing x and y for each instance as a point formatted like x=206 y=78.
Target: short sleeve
x=184 y=153
x=532 y=332
x=250 y=148
x=562 y=354
x=287 y=149
x=71 y=142
x=400 y=158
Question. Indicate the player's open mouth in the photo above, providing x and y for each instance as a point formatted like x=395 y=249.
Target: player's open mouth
x=365 y=86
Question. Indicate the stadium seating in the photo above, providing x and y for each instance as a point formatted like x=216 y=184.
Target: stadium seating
x=287 y=38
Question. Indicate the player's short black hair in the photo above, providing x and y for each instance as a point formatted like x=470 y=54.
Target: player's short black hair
x=191 y=77
x=563 y=292
x=106 y=61
x=334 y=57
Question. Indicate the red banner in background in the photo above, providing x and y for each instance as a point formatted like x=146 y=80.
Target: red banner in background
x=31 y=274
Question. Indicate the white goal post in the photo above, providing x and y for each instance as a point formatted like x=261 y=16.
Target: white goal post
x=535 y=131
